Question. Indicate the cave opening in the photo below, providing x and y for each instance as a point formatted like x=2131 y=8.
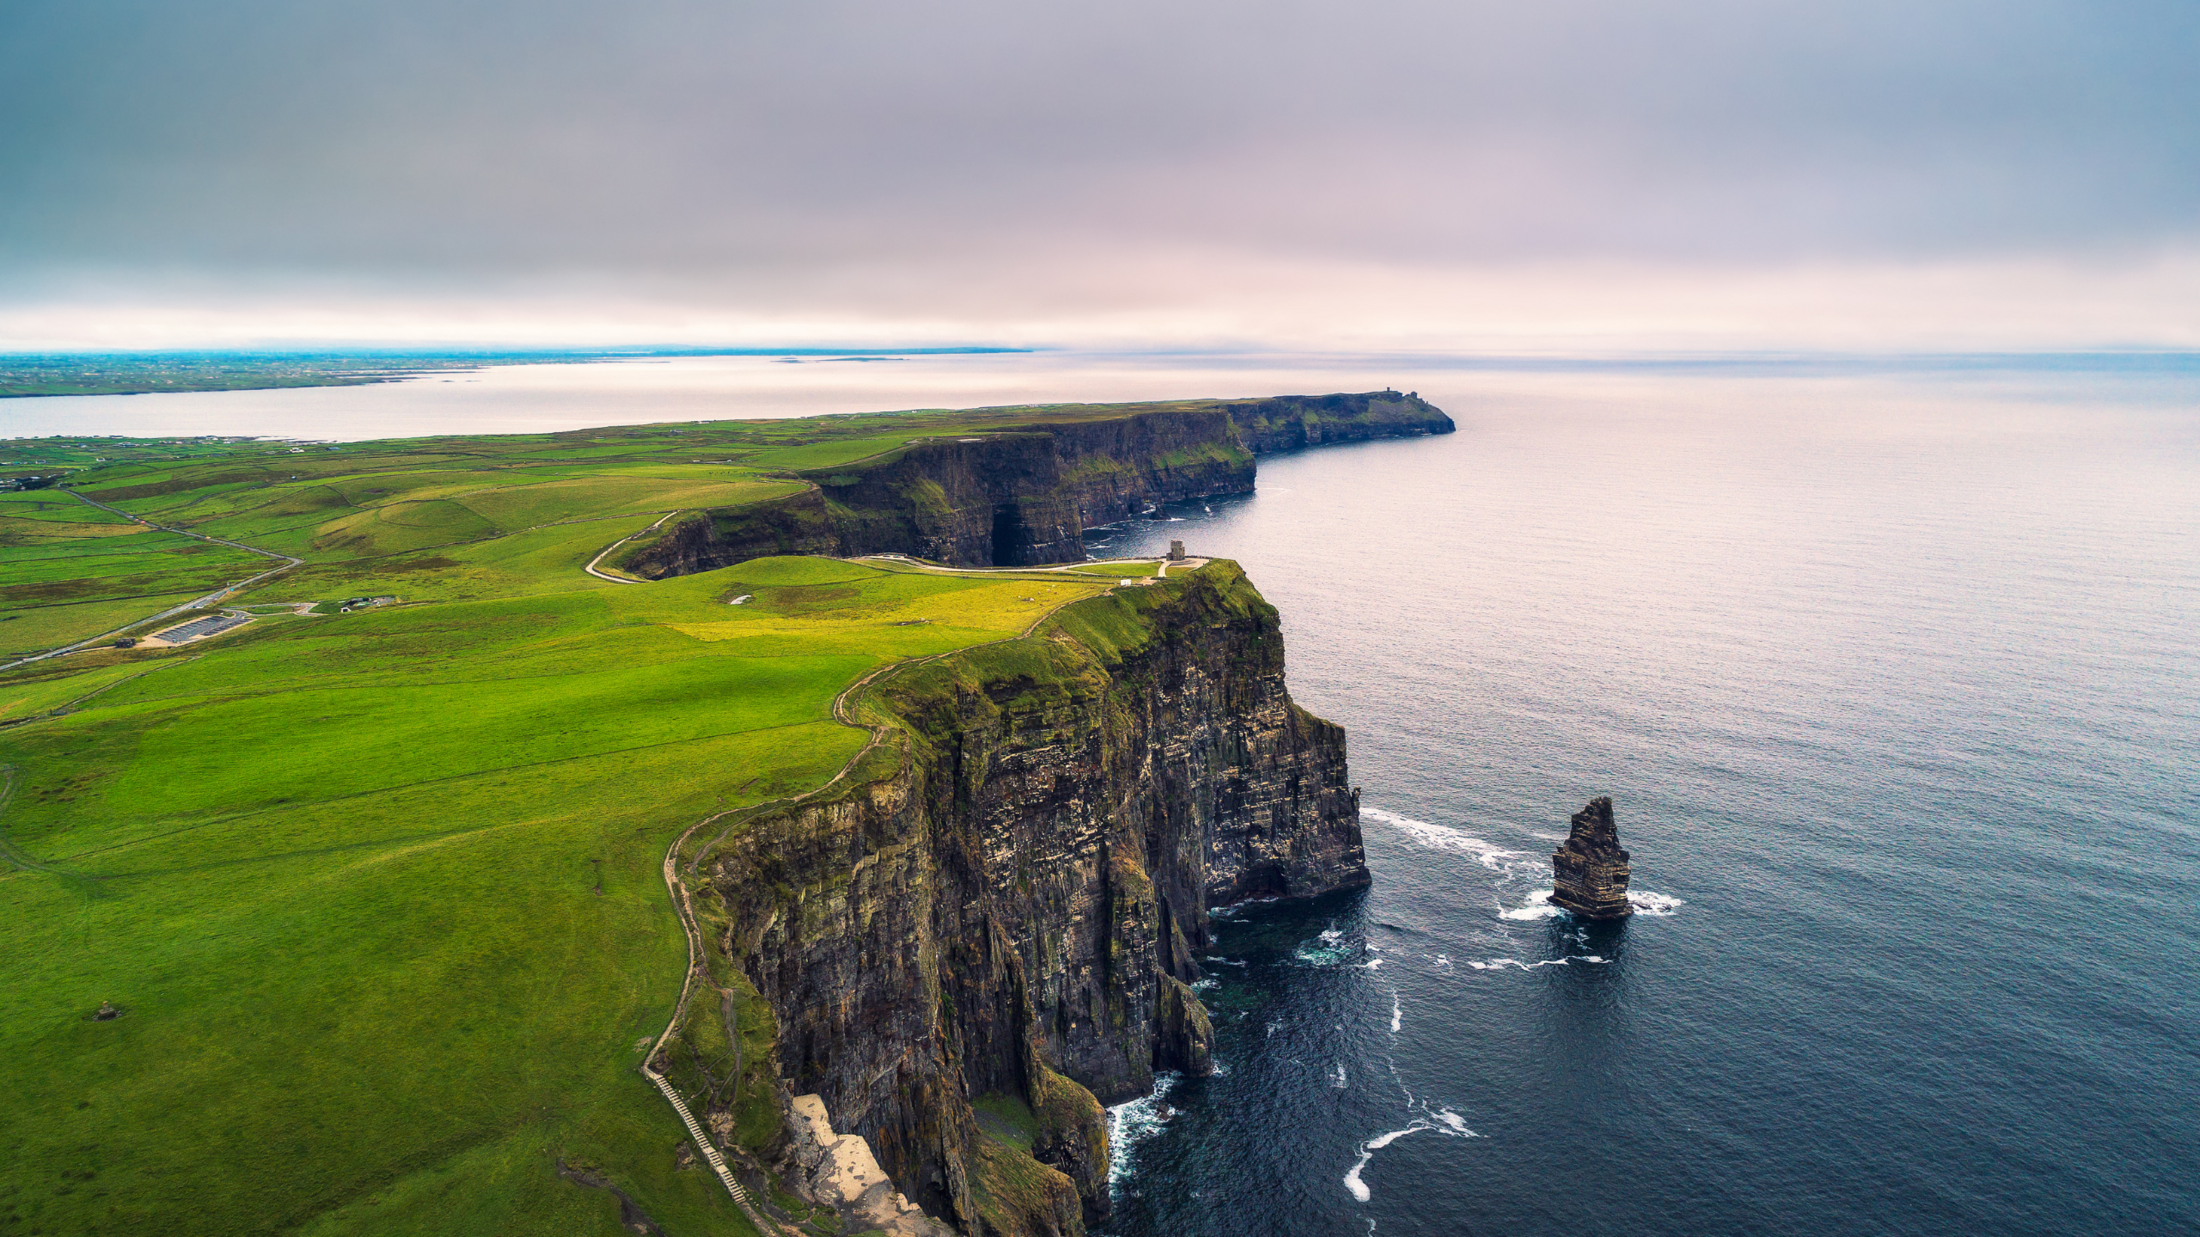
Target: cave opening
x=1010 y=539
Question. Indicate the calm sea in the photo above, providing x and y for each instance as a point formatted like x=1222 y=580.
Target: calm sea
x=1895 y=681
x=1893 y=673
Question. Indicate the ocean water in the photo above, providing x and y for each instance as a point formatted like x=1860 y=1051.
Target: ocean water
x=1895 y=681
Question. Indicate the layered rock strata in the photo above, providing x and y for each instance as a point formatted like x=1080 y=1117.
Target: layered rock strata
x=1018 y=495
x=1015 y=913
x=1589 y=870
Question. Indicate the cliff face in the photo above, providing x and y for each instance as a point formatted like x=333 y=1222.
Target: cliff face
x=1289 y=422
x=1024 y=494
x=1017 y=911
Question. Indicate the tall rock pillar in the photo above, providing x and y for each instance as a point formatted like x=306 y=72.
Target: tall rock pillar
x=1589 y=870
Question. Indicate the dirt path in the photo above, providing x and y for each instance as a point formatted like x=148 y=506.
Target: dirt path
x=198 y=603
x=591 y=567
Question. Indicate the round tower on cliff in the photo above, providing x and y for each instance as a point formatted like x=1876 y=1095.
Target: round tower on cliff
x=1589 y=870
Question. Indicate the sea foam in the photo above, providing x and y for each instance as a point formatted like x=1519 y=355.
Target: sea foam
x=1444 y=1121
x=1443 y=837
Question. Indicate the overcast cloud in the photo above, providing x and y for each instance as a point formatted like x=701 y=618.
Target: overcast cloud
x=980 y=163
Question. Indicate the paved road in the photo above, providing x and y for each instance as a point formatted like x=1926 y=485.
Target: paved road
x=591 y=567
x=198 y=603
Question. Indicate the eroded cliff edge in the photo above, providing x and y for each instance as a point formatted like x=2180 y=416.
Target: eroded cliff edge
x=1013 y=492
x=1007 y=912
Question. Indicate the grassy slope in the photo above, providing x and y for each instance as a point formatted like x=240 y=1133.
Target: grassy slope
x=366 y=502
x=379 y=892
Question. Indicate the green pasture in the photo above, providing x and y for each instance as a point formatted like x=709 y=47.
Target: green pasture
x=379 y=894
x=1120 y=571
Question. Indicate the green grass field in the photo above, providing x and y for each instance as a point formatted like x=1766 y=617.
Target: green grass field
x=1119 y=571
x=378 y=894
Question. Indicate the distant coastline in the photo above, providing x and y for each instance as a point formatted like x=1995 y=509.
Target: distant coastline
x=26 y=375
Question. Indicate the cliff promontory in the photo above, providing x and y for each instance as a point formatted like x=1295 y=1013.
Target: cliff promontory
x=1005 y=491
x=969 y=948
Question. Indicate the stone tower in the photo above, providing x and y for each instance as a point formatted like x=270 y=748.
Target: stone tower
x=1589 y=870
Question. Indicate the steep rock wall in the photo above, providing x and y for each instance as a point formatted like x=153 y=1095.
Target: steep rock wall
x=703 y=540
x=1025 y=495
x=1018 y=909
x=1290 y=422
x=1020 y=495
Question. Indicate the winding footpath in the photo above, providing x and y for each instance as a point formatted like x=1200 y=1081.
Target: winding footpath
x=591 y=567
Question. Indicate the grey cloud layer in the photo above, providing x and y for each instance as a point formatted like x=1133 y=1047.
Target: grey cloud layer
x=765 y=143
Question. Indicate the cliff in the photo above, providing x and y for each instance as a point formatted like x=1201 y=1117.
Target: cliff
x=969 y=949
x=1290 y=422
x=1021 y=493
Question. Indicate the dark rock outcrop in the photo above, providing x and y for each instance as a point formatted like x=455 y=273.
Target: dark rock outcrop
x=1019 y=907
x=704 y=540
x=1589 y=870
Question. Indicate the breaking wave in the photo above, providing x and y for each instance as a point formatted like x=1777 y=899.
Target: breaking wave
x=1135 y=1121
x=1443 y=837
x=1538 y=906
x=1499 y=964
x=1444 y=1121
x=1328 y=949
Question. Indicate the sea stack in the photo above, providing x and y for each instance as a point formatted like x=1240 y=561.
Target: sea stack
x=1589 y=870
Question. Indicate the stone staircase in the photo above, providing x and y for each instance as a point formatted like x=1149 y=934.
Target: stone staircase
x=710 y=1152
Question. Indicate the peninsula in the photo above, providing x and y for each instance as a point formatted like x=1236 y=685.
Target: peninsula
x=554 y=892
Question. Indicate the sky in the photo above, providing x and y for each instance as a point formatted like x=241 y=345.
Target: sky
x=1566 y=175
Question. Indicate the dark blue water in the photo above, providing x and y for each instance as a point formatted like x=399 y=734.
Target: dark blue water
x=1896 y=684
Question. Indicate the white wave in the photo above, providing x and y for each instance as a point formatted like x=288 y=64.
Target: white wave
x=1397 y=1013
x=1336 y=1077
x=1538 y=906
x=1448 y=1123
x=1327 y=950
x=1443 y=837
x=1658 y=905
x=1202 y=985
x=1368 y=1149
x=1225 y=961
x=1134 y=1122
x=1373 y=964
x=1226 y=912
x=1272 y=1028
x=1499 y=964
x=1443 y=960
